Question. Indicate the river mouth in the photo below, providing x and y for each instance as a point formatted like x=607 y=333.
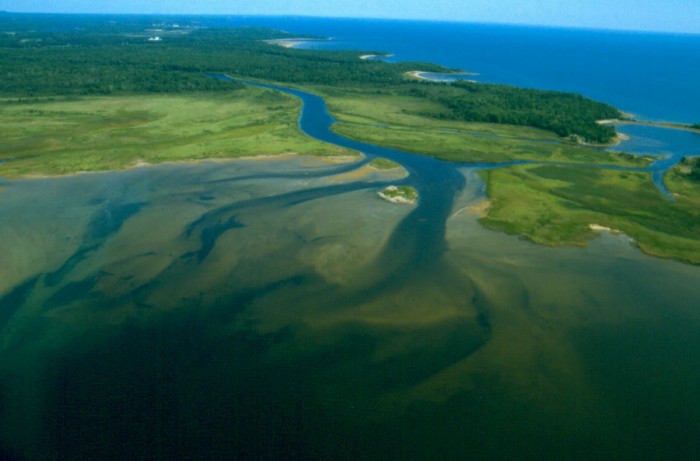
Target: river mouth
x=262 y=309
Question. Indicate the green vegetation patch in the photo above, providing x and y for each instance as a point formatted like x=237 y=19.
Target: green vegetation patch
x=393 y=120
x=399 y=194
x=566 y=114
x=64 y=136
x=383 y=164
x=688 y=168
x=684 y=183
x=556 y=205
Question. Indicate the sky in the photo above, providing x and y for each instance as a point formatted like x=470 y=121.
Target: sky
x=681 y=16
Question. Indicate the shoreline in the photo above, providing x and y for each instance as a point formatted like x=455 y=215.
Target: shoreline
x=399 y=195
x=293 y=42
x=283 y=42
x=365 y=57
x=667 y=125
x=615 y=141
x=140 y=163
x=418 y=74
x=621 y=137
x=599 y=229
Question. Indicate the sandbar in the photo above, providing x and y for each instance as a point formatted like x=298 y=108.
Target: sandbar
x=419 y=74
x=600 y=229
x=375 y=56
x=293 y=42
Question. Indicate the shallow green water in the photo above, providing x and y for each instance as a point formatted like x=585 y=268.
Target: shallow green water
x=253 y=310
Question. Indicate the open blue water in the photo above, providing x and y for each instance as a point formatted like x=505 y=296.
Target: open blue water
x=654 y=140
x=651 y=75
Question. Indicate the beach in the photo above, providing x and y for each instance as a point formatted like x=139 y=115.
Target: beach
x=442 y=78
x=375 y=56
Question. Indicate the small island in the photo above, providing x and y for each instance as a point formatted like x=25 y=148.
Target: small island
x=399 y=194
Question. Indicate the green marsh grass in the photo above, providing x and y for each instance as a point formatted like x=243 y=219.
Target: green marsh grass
x=396 y=121
x=64 y=136
x=555 y=205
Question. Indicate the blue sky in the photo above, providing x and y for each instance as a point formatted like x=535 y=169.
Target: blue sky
x=653 y=15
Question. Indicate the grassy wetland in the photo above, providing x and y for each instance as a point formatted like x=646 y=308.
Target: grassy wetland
x=98 y=133
x=557 y=205
x=397 y=121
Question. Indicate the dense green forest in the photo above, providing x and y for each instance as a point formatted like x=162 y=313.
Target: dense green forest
x=565 y=114
x=689 y=168
x=116 y=61
x=696 y=126
x=49 y=55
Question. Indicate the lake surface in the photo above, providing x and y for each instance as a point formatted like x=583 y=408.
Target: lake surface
x=278 y=309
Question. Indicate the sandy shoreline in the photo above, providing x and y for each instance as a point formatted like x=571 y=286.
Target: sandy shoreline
x=600 y=229
x=140 y=163
x=617 y=140
x=418 y=74
x=667 y=125
x=620 y=137
x=480 y=208
x=285 y=42
x=375 y=56
x=293 y=42
x=386 y=194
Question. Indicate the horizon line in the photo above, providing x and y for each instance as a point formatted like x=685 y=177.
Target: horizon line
x=367 y=18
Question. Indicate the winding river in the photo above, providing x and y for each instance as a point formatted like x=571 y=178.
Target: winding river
x=316 y=122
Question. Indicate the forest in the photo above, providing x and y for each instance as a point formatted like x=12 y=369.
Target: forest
x=566 y=114
x=104 y=55
x=689 y=168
